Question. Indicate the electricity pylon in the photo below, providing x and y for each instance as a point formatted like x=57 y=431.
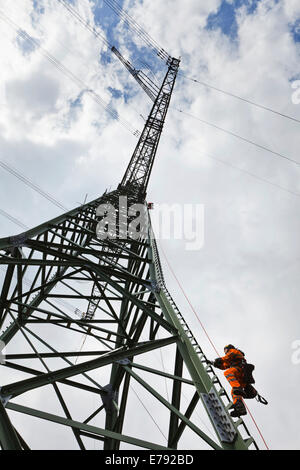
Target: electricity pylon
x=104 y=258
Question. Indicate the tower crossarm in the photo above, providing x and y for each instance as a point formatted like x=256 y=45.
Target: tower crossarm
x=145 y=82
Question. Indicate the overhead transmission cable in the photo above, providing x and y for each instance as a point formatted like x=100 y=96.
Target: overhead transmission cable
x=87 y=25
x=152 y=43
x=70 y=75
x=32 y=185
x=130 y=22
x=58 y=204
x=262 y=147
x=239 y=97
x=54 y=201
x=97 y=34
x=134 y=26
x=118 y=10
x=259 y=178
x=12 y=219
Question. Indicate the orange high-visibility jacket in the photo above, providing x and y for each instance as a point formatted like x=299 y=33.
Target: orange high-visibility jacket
x=234 y=358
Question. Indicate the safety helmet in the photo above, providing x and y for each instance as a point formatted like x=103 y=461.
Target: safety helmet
x=229 y=346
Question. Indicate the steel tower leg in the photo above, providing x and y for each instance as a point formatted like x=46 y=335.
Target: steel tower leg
x=8 y=435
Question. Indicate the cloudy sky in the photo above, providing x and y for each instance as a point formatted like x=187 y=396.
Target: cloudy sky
x=244 y=280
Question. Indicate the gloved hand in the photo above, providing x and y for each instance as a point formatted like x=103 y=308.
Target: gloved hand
x=209 y=362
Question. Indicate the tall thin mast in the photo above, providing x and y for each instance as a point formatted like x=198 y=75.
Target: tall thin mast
x=139 y=169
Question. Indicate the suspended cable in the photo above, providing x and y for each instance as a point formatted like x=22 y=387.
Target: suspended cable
x=148 y=412
x=90 y=28
x=239 y=98
x=12 y=219
x=70 y=75
x=31 y=185
x=259 y=178
x=238 y=136
x=127 y=19
x=134 y=26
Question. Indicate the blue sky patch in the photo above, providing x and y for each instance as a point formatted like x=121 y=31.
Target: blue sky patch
x=115 y=93
x=295 y=30
x=25 y=44
x=78 y=100
x=109 y=21
x=225 y=18
x=38 y=7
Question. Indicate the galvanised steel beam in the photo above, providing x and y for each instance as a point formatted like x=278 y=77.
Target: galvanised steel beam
x=173 y=409
x=176 y=378
x=8 y=436
x=23 y=386
x=53 y=355
x=173 y=441
x=176 y=396
x=71 y=383
x=85 y=427
x=139 y=169
x=13 y=328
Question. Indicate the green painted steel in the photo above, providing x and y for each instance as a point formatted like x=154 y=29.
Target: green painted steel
x=8 y=436
x=93 y=430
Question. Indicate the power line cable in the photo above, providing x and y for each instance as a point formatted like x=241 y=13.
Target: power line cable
x=239 y=97
x=70 y=75
x=152 y=43
x=134 y=26
x=259 y=178
x=238 y=136
x=12 y=219
x=31 y=185
x=126 y=18
x=90 y=28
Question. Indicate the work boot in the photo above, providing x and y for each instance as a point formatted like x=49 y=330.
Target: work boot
x=239 y=409
x=250 y=391
x=239 y=391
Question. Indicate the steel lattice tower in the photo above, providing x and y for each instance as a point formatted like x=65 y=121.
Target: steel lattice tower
x=124 y=312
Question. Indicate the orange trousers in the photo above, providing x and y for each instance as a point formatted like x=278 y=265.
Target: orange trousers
x=235 y=377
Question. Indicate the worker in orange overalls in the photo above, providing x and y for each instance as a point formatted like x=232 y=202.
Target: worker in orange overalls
x=235 y=366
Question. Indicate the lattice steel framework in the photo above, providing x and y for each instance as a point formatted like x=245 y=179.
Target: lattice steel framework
x=124 y=315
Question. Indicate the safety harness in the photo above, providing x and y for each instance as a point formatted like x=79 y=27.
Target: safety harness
x=248 y=377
